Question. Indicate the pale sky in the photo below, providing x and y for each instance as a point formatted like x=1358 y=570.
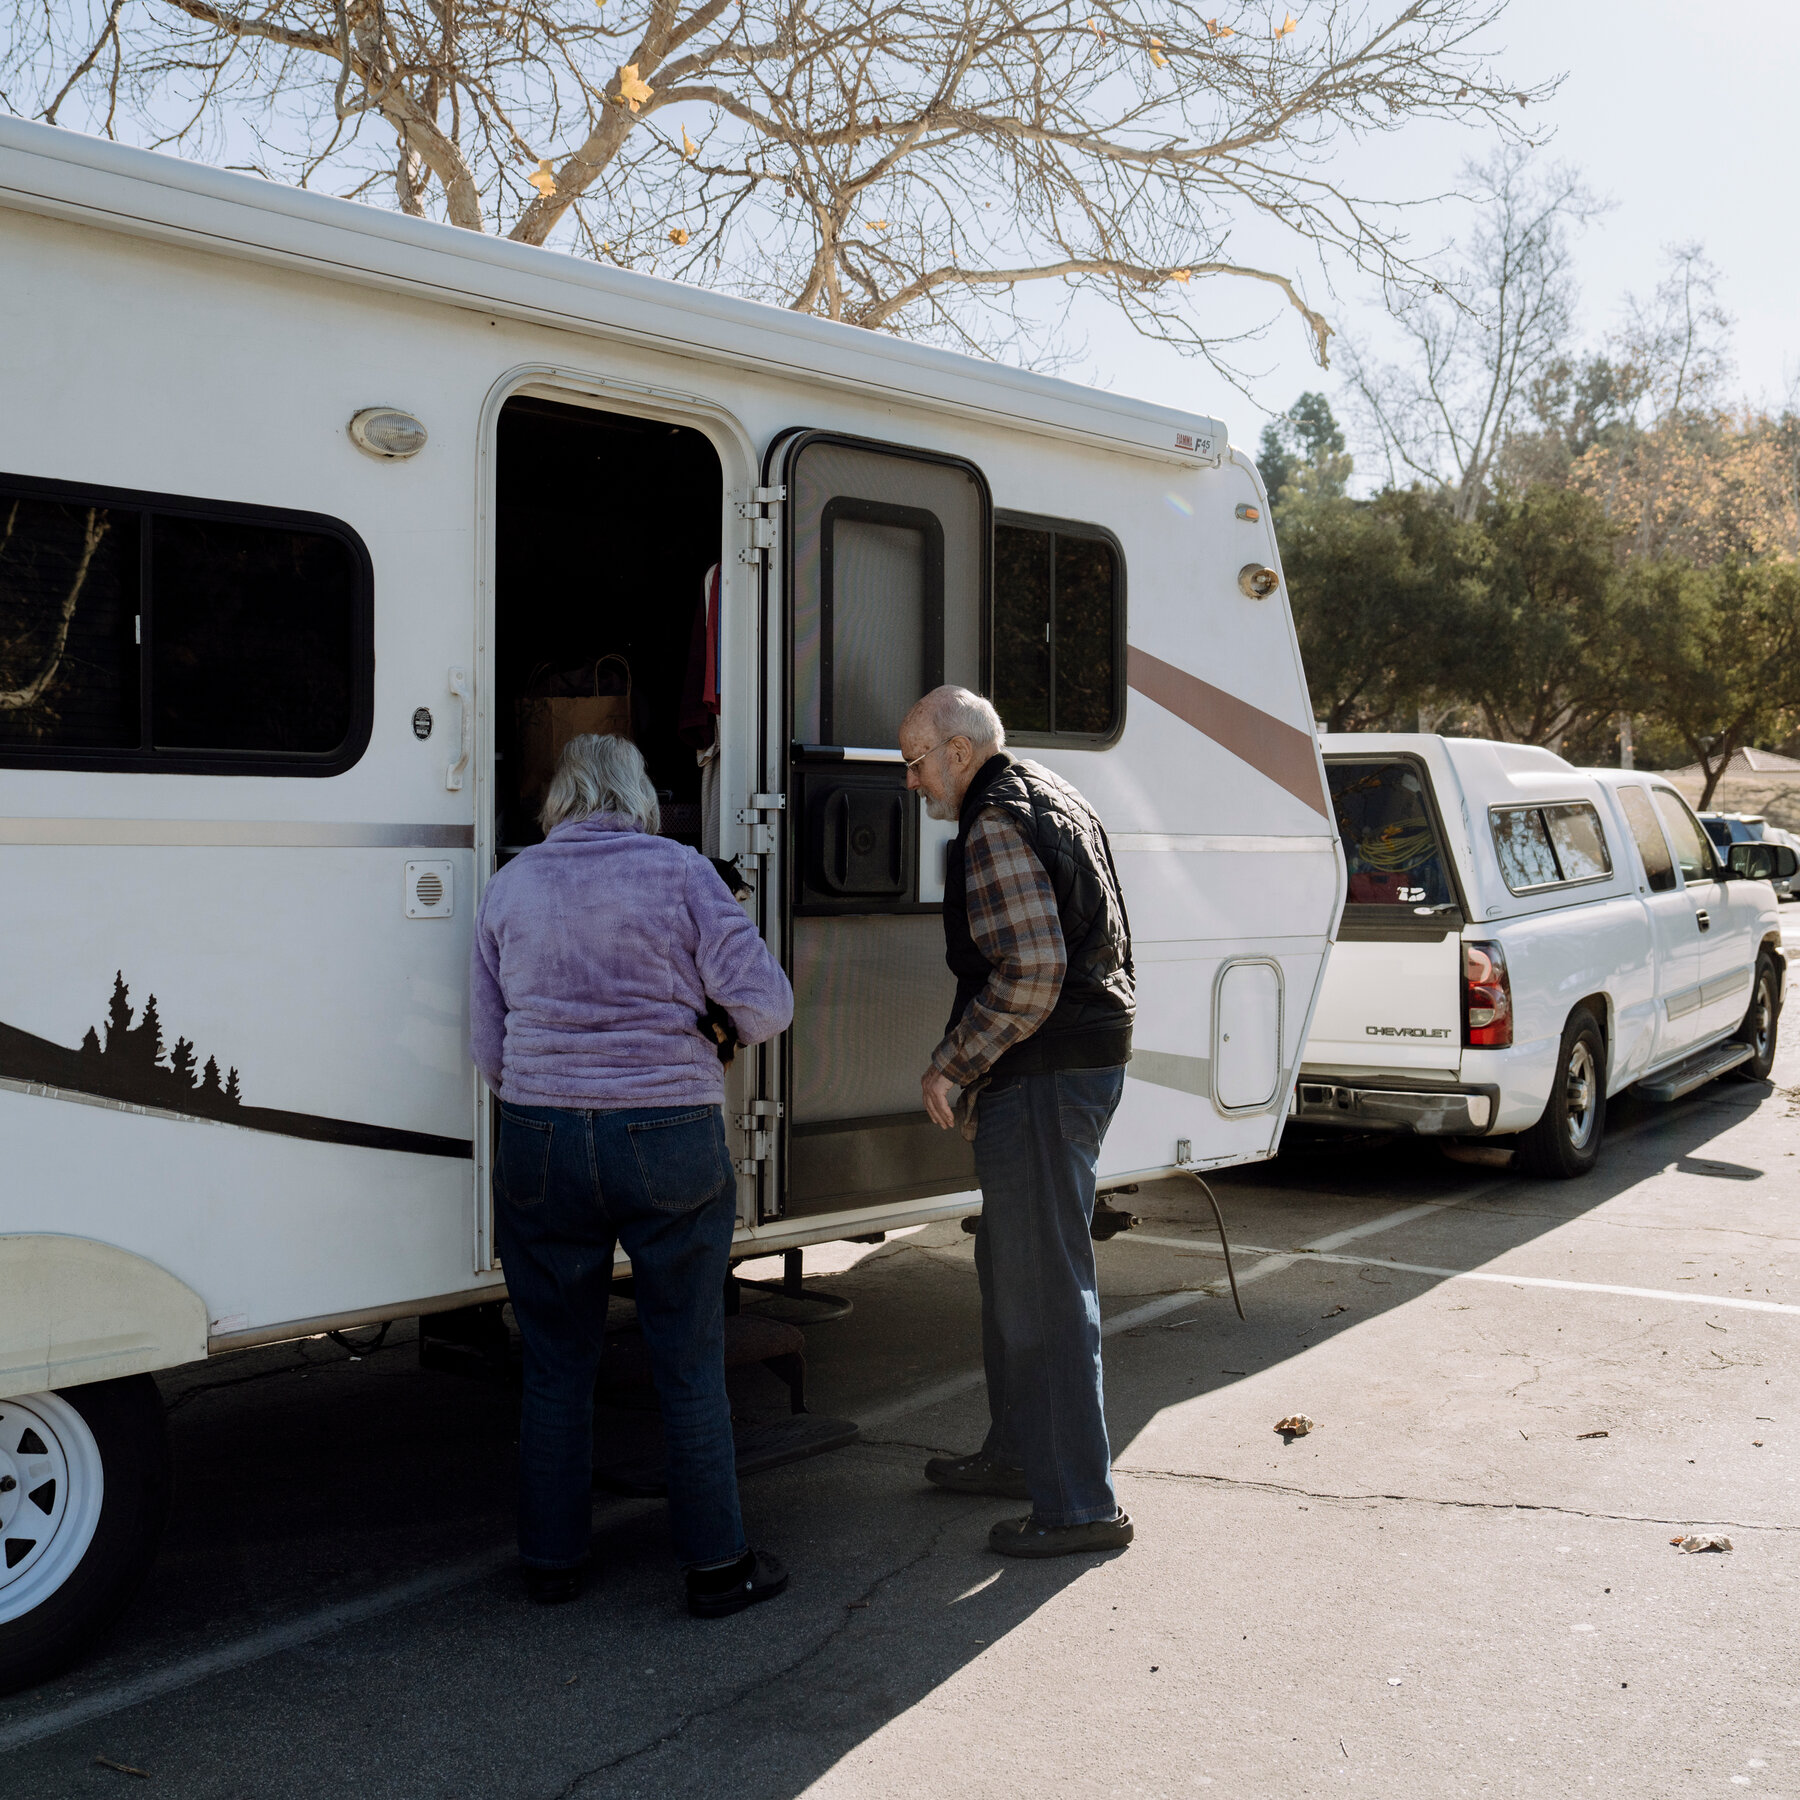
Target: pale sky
x=1687 y=116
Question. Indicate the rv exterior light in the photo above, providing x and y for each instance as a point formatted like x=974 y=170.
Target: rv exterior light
x=1247 y=511
x=1256 y=581
x=387 y=432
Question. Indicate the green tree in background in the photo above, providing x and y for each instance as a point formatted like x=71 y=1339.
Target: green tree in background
x=1306 y=445
x=1717 y=654
x=1543 y=656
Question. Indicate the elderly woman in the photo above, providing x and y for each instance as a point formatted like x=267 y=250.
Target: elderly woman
x=595 y=955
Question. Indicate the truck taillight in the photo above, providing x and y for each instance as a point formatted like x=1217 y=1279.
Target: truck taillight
x=1487 y=998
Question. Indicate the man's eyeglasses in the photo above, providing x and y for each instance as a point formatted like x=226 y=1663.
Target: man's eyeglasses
x=910 y=766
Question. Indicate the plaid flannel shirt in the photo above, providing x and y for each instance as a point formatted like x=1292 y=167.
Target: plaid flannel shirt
x=1013 y=919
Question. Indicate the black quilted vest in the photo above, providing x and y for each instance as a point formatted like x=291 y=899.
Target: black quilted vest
x=1090 y=1027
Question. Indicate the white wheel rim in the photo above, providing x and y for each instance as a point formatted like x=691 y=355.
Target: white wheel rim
x=48 y=1513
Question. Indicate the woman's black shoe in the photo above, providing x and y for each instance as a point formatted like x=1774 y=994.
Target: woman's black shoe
x=714 y=1593
x=551 y=1587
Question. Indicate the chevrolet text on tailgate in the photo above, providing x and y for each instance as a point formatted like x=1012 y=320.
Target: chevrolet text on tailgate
x=1522 y=939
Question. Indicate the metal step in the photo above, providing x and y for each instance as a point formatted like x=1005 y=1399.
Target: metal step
x=1697 y=1071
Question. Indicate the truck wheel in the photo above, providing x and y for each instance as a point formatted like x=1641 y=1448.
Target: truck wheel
x=1565 y=1142
x=1761 y=1022
x=84 y=1491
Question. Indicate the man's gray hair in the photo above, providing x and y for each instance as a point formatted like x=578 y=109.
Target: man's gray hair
x=956 y=712
x=600 y=774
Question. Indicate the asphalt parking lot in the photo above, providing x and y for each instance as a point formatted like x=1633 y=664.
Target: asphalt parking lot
x=1461 y=1582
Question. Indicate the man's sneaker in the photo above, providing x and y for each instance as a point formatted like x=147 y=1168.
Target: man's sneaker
x=1026 y=1537
x=715 y=1593
x=977 y=1474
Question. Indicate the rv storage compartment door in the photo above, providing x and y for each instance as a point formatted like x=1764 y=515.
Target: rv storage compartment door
x=886 y=581
x=1247 y=1029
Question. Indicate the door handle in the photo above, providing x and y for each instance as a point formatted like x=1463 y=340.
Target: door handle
x=1702 y=920
x=459 y=688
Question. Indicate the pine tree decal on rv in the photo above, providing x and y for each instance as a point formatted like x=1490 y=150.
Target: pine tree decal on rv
x=125 y=1063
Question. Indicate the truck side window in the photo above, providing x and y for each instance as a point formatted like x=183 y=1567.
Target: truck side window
x=1659 y=866
x=1059 y=627
x=1549 y=846
x=1579 y=842
x=1693 y=850
x=1390 y=846
x=142 y=631
x=1523 y=845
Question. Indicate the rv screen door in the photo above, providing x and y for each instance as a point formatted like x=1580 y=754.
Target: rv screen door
x=886 y=591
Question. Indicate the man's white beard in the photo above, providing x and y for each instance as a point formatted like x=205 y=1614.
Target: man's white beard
x=939 y=809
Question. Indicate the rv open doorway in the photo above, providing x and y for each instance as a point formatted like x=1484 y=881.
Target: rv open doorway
x=606 y=528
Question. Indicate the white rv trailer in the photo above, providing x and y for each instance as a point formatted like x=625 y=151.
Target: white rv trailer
x=259 y=750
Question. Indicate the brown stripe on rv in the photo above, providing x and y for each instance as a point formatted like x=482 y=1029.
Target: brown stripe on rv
x=1288 y=757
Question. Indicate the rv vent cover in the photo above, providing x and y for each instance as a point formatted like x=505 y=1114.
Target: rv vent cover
x=430 y=893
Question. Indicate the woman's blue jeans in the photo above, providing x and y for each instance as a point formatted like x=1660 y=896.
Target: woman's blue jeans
x=1037 y=1147
x=658 y=1181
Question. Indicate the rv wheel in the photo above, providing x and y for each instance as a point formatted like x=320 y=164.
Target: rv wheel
x=84 y=1490
x=1565 y=1142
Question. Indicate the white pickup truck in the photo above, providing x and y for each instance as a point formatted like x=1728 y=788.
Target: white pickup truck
x=1522 y=939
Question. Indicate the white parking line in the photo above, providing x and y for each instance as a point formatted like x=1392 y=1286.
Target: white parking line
x=1312 y=1253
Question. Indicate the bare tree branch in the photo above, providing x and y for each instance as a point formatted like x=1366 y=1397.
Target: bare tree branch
x=909 y=165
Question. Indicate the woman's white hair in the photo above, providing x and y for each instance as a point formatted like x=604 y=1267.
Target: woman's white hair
x=600 y=774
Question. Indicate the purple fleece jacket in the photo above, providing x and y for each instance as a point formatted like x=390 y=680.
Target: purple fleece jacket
x=593 y=953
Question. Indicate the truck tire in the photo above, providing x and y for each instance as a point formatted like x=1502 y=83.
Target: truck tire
x=1565 y=1142
x=1762 y=1022
x=84 y=1492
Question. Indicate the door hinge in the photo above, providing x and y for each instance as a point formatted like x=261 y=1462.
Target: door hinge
x=765 y=528
x=757 y=817
x=762 y=1147
x=758 y=1110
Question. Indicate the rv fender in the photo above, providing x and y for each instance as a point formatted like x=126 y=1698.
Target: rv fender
x=77 y=1310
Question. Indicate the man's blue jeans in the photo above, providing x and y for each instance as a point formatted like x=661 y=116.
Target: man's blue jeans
x=657 y=1180
x=1037 y=1145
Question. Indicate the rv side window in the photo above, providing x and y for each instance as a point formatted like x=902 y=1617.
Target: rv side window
x=138 y=632
x=1659 y=865
x=1549 y=846
x=1059 y=628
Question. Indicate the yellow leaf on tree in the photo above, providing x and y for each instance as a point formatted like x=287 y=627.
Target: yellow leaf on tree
x=1097 y=30
x=878 y=224
x=689 y=148
x=677 y=235
x=1218 y=30
x=1181 y=274
x=1156 y=55
x=1287 y=25
x=541 y=179
x=631 y=90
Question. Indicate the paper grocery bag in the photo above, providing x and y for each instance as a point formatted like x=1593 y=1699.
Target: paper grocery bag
x=548 y=720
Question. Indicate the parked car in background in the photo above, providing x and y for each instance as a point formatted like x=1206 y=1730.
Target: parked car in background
x=1726 y=829
x=1522 y=939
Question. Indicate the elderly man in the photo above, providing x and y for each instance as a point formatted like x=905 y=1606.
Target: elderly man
x=1036 y=935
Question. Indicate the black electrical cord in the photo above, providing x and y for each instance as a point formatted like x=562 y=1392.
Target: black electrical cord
x=368 y=1349
x=1224 y=1244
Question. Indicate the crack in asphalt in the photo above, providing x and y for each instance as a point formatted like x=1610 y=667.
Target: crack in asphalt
x=1570 y=1512
x=689 y=1719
